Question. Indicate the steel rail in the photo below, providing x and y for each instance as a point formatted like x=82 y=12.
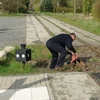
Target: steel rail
x=82 y=64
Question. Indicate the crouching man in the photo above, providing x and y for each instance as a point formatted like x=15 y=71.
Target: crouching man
x=57 y=45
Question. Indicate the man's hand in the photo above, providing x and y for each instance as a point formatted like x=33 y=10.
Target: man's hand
x=74 y=56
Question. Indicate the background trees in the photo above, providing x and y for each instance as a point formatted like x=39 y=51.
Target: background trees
x=15 y=6
x=63 y=5
x=76 y=6
x=46 y=6
x=96 y=9
x=87 y=6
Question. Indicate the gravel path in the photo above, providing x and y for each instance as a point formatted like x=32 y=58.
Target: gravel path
x=12 y=31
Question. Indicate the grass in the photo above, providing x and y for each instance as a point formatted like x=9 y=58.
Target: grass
x=87 y=23
x=40 y=54
x=38 y=64
x=12 y=15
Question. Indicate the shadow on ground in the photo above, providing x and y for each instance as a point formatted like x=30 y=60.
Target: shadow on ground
x=40 y=64
x=4 y=96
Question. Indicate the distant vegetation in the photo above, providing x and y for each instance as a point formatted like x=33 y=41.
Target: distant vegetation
x=72 y=6
x=57 y=6
x=96 y=9
x=38 y=64
x=14 y=6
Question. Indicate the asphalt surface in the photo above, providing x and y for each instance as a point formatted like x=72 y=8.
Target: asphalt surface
x=12 y=31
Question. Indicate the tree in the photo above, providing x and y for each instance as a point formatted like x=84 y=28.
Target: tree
x=23 y=6
x=46 y=6
x=55 y=5
x=42 y=6
x=96 y=9
x=15 y=6
x=9 y=6
x=77 y=5
x=62 y=3
x=74 y=6
x=87 y=6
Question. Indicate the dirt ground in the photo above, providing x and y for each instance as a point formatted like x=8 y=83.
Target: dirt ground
x=90 y=58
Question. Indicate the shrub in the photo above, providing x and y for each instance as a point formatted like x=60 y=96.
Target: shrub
x=15 y=6
x=46 y=6
x=35 y=5
x=87 y=6
x=22 y=9
x=66 y=10
x=96 y=9
x=42 y=6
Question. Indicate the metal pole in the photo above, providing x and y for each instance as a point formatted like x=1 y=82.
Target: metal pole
x=23 y=64
x=74 y=6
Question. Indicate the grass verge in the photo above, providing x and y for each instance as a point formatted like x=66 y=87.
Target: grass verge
x=12 y=15
x=39 y=63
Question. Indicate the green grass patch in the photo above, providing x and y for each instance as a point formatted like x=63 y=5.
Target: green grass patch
x=87 y=23
x=38 y=64
x=12 y=15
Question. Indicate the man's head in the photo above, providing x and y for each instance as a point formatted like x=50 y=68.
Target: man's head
x=73 y=35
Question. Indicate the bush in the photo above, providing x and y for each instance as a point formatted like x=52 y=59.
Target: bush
x=46 y=6
x=22 y=9
x=15 y=6
x=42 y=7
x=87 y=6
x=9 y=7
x=36 y=5
x=96 y=9
x=66 y=10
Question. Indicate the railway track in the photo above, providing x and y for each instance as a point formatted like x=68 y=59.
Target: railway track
x=96 y=49
x=91 y=52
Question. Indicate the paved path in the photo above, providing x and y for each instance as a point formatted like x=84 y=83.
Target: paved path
x=88 y=37
x=55 y=86
x=25 y=87
x=55 y=30
x=74 y=86
x=35 y=32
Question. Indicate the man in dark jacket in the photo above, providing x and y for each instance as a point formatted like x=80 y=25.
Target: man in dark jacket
x=56 y=46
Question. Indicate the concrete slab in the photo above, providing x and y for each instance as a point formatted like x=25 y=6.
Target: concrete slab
x=40 y=93
x=23 y=94
x=25 y=87
x=55 y=86
x=35 y=32
x=55 y=30
x=74 y=86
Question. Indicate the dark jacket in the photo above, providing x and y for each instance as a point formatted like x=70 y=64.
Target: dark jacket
x=64 y=40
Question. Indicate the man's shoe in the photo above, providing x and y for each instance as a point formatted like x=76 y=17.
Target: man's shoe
x=56 y=68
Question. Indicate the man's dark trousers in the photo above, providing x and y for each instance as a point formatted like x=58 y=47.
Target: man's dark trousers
x=56 y=49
